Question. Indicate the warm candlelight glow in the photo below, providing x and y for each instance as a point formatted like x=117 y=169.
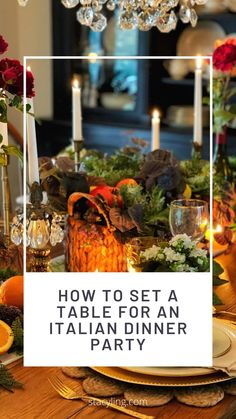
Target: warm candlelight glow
x=130 y=267
x=156 y=114
x=204 y=225
x=93 y=57
x=199 y=62
x=75 y=83
x=217 y=229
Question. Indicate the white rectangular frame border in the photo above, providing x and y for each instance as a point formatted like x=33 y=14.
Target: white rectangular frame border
x=33 y=57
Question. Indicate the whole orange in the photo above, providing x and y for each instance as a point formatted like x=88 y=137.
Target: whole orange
x=12 y=291
x=128 y=181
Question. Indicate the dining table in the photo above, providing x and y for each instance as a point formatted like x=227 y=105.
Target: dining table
x=38 y=399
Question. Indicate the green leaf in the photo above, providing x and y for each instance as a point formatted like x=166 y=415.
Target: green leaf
x=218 y=281
x=2 y=159
x=16 y=102
x=6 y=273
x=232 y=109
x=12 y=150
x=231 y=93
x=224 y=116
x=216 y=300
x=7 y=380
x=217 y=269
x=3 y=111
x=18 y=335
x=206 y=101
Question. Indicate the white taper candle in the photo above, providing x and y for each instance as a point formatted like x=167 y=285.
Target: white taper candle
x=197 y=128
x=155 y=130
x=3 y=130
x=76 y=109
x=33 y=168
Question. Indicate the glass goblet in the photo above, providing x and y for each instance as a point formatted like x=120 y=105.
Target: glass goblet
x=189 y=216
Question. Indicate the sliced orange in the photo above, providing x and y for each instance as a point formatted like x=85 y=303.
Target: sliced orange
x=6 y=337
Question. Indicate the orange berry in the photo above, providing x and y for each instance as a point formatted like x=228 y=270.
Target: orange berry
x=126 y=182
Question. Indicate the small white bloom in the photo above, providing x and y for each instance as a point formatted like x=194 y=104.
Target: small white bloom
x=198 y=253
x=182 y=267
x=172 y=256
x=151 y=254
x=182 y=240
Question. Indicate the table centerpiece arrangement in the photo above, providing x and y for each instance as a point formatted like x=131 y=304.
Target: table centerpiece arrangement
x=11 y=96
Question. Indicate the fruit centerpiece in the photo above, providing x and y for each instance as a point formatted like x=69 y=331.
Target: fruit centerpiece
x=106 y=209
x=11 y=323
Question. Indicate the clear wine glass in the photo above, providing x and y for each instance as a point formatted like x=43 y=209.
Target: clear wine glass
x=189 y=216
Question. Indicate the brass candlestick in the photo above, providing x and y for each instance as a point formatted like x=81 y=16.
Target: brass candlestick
x=38 y=234
x=196 y=151
x=78 y=145
x=5 y=199
x=43 y=227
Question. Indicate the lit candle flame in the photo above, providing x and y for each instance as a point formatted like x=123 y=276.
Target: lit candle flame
x=93 y=57
x=156 y=114
x=199 y=62
x=217 y=229
x=75 y=83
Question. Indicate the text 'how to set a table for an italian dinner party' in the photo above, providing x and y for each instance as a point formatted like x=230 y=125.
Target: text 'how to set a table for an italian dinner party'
x=107 y=319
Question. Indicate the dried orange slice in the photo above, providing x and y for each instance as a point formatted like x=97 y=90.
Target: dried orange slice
x=6 y=337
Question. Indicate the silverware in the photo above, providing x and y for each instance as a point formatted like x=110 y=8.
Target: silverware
x=70 y=394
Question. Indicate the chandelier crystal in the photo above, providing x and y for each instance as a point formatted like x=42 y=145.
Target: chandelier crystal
x=134 y=14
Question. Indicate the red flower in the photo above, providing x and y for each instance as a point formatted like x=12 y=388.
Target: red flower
x=29 y=84
x=3 y=45
x=12 y=76
x=224 y=57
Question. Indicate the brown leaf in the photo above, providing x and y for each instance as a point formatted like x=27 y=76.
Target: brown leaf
x=121 y=220
x=224 y=238
x=65 y=164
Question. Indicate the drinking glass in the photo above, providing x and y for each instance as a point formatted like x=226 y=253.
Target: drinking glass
x=189 y=216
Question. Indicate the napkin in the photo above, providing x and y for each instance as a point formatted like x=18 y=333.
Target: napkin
x=227 y=362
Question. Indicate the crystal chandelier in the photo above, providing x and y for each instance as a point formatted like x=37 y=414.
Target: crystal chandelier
x=141 y=14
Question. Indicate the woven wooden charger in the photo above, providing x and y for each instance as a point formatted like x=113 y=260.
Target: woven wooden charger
x=100 y=385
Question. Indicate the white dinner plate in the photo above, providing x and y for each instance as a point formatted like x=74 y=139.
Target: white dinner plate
x=223 y=333
x=221 y=341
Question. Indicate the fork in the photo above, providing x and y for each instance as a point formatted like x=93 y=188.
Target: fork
x=69 y=394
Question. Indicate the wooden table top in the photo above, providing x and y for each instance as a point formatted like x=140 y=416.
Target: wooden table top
x=39 y=400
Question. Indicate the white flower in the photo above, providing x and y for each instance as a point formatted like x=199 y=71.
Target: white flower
x=160 y=256
x=182 y=240
x=172 y=256
x=198 y=253
x=177 y=267
x=152 y=253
